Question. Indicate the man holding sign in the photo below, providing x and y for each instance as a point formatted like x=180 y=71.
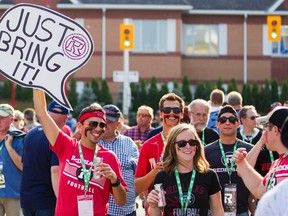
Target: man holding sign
x=84 y=185
x=41 y=48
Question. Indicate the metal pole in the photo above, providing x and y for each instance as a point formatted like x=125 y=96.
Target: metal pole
x=245 y=49
x=126 y=86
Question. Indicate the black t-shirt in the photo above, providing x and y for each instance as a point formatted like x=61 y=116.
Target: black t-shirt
x=255 y=139
x=215 y=159
x=264 y=162
x=205 y=184
x=210 y=135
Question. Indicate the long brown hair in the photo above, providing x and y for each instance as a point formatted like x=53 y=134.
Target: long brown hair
x=170 y=159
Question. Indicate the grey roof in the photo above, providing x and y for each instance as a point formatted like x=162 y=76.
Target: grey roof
x=129 y=2
x=232 y=4
x=194 y=6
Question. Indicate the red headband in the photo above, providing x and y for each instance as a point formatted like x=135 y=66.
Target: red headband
x=92 y=114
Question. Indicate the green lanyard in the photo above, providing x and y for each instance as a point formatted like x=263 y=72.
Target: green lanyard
x=163 y=138
x=271 y=156
x=86 y=173
x=203 y=137
x=243 y=136
x=270 y=182
x=229 y=169
x=184 y=208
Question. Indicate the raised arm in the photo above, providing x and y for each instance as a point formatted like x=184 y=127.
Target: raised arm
x=255 y=151
x=144 y=183
x=251 y=178
x=49 y=126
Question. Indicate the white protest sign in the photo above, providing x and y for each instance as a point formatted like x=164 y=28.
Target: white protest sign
x=40 y=48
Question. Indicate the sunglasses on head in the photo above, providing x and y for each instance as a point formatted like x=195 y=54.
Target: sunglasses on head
x=183 y=143
x=143 y=115
x=94 y=124
x=167 y=110
x=231 y=119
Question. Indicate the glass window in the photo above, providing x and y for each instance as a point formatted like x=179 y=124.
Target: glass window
x=150 y=36
x=281 y=47
x=200 y=39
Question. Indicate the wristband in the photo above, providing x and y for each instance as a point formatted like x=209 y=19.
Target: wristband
x=116 y=184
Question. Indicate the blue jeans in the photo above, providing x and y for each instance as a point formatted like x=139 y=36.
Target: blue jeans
x=38 y=212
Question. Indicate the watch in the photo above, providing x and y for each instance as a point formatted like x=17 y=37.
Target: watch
x=116 y=184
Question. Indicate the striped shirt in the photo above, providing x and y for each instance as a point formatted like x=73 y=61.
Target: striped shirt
x=127 y=153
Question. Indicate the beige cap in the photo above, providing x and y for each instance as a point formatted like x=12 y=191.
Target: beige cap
x=6 y=110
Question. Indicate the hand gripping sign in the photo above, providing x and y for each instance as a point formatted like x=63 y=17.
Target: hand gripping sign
x=40 y=48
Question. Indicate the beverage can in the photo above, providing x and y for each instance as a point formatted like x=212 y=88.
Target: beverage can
x=161 y=194
x=97 y=161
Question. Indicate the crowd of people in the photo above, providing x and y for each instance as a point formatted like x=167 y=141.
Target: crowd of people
x=213 y=157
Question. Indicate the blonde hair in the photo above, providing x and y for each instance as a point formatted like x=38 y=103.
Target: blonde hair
x=148 y=108
x=170 y=159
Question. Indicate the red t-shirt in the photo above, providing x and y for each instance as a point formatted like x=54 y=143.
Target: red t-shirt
x=281 y=171
x=71 y=181
x=150 y=154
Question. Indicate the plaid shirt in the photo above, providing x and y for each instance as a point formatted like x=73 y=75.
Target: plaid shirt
x=135 y=134
x=127 y=153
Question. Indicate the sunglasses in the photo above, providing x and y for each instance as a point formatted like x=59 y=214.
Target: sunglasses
x=183 y=143
x=231 y=119
x=143 y=115
x=94 y=124
x=167 y=110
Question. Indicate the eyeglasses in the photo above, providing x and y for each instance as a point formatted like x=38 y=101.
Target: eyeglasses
x=231 y=119
x=167 y=110
x=204 y=115
x=143 y=115
x=252 y=117
x=183 y=143
x=94 y=124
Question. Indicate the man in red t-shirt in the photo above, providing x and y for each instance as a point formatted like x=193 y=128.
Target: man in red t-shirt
x=150 y=159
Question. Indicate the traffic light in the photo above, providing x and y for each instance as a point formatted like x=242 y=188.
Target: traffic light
x=274 y=28
x=126 y=36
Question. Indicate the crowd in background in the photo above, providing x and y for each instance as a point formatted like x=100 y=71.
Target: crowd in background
x=211 y=157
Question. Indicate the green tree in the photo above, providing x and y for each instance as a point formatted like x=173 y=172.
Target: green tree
x=153 y=94
x=274 y=91
x=6 y=93
x=95 y=87
x=220 y=84
x=106 y=97
x=135 y=100
x=86 y=98
x=209 y=87
x=255 y=94
x=177 y=90
x=164 y=90
x=232 y=86
x=245 y=94
x=284 y=91
x=23 y=94
x=72 y=92
x=265 y=98
x=143 y=92
x=200 y=91
x=186 y=90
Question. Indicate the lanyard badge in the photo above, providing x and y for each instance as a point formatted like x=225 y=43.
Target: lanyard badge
x=230 y=199
x=2 y=177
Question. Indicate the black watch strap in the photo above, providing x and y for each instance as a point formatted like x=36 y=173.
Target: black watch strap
x=116 y=184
